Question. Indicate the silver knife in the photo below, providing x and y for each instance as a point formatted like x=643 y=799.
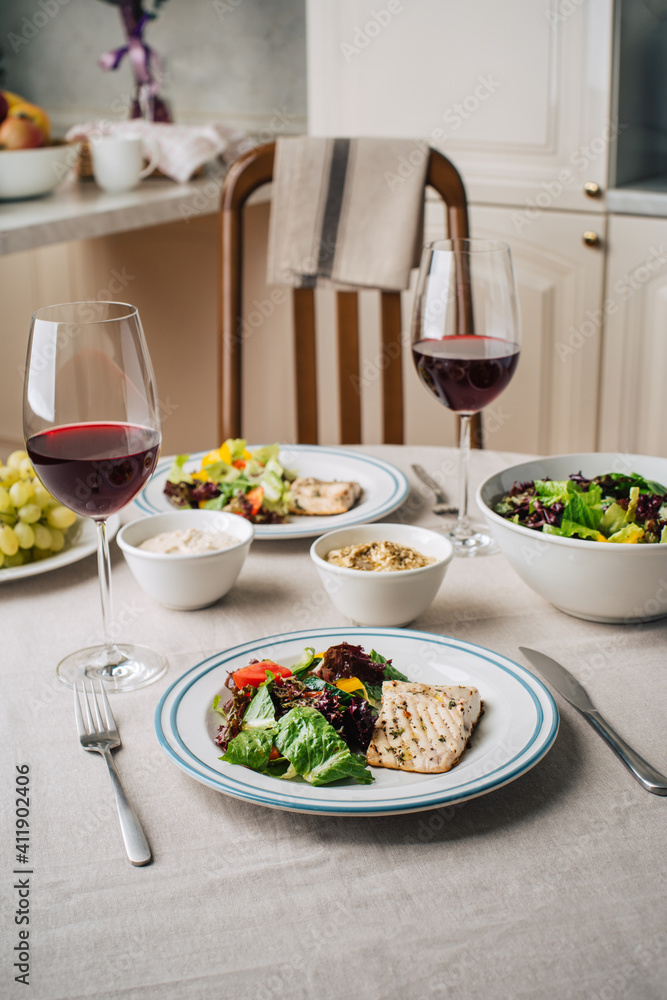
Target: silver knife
x=571 y=689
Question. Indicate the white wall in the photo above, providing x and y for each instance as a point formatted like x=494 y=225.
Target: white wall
x=236 y=60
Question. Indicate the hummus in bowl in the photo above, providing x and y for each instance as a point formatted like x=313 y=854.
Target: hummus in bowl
x=412 y=565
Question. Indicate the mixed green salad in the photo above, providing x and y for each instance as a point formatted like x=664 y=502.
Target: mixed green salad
x=610 y=508
x=252 y=484
x=313 y=720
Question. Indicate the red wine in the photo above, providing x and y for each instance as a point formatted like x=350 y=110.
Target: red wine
x=95 y=469
x=465 y=373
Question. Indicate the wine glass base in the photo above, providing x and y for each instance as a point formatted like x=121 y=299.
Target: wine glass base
x=136 y=667
x=473 y=542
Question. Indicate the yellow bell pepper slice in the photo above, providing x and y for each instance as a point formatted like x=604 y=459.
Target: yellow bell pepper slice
x=350 y=685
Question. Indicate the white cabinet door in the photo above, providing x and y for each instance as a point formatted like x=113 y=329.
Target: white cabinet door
x=550 y=407
x=633 y=412
x=517 y=93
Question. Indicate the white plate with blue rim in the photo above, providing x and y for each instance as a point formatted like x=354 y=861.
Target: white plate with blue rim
x=518 y=727
x=384 y=488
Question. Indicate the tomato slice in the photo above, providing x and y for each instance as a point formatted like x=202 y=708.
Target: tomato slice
x=239 y=463
x=255 y=497
x=255 y=673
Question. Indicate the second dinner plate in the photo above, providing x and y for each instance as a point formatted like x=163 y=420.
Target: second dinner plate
x=384 y=488
x=517 y=729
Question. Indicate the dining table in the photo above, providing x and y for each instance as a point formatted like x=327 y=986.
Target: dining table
x=553 y=886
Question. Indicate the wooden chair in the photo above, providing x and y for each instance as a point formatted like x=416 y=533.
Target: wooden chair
x=248 y=173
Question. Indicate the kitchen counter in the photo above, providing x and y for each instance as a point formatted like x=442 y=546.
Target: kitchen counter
x=79 y=210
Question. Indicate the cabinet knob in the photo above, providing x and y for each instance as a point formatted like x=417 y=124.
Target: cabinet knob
x=591 y=239
x=592 y=189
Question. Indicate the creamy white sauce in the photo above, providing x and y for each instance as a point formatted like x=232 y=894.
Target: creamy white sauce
x=188 y=541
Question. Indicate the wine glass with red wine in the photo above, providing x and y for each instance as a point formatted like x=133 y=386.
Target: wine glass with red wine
x=91 y=421
x=465 y=345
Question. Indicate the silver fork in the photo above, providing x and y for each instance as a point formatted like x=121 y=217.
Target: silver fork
x=442 y=506
x=103 y=737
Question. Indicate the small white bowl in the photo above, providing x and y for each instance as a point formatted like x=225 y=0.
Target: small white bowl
x=597 y=581
x=188 y=581
x=382 y=598
x=28 y=173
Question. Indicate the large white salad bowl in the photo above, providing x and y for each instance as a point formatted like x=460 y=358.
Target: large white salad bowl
x=597 y=581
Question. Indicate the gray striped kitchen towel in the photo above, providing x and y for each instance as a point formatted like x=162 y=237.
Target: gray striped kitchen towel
x=346 y=212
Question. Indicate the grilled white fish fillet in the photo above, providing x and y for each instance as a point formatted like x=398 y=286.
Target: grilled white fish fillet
x=423 y=727
x=315 y=496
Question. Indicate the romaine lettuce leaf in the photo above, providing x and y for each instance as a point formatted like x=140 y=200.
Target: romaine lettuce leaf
x=261 y=711
x=236 y=448
x=267 y=452
x=177 y=473
x=553 y=491
x=630 y=533
x=613 y=519
x=251 y=748
x=585 y=508
x=631 y=514
x=220 y=472
x=315 y=750
x=569 y=528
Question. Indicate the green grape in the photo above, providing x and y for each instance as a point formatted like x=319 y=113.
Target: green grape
x=21 y=492
x=19 y=557
x=57 y=540
x=33 y=525
x=38 y=555
x=42 y=495
x=9 y=543
x=60 y=517
x=15 y=459
x=8 y=476
x=42 y=537
x=30 y=513
x=25 y=535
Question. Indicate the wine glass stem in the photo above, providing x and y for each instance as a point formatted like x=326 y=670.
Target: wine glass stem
x=463 y=526
x=112 y=654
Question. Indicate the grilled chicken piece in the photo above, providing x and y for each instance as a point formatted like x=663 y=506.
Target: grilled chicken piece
x=423 y=727
x=315 y=496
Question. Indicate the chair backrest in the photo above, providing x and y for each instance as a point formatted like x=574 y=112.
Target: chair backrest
x=248 y=173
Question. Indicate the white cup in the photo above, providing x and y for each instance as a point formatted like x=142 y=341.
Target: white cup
x=117 y=162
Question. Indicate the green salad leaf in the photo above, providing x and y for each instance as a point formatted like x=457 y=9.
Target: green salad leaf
x=390 y=672
x=251 y=748
x=315 y=750
x=585 y=508
x=568 y=529
x=630 y=533
x=305 y=662
x=177 y=473
x=553 y=491
x=261 y=712
x=613 y=519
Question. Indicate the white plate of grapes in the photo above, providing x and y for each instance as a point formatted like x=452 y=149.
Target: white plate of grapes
x=38 y=534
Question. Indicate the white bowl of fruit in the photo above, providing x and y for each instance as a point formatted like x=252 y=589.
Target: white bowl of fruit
x=31 y=163
x=33 y=525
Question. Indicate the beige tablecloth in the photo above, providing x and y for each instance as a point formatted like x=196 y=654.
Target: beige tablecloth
x=551 y=887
